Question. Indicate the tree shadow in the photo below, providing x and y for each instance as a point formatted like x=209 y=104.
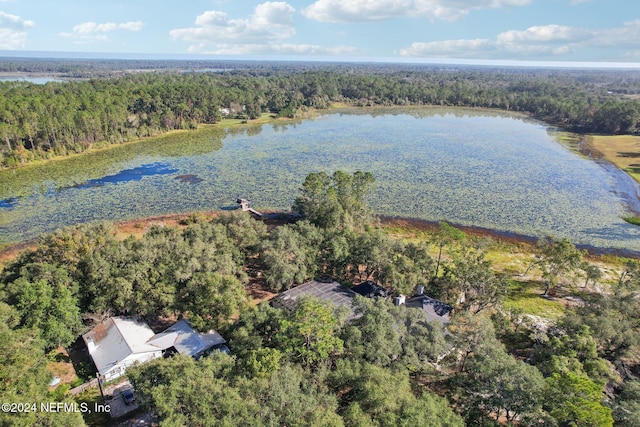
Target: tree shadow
x=630 y=154
x=81 y=360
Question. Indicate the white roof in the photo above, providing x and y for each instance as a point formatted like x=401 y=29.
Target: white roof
x=186 y=340
x=117 y=338
x=163 y=340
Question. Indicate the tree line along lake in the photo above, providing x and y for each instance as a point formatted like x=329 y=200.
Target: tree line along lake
x=471 y=167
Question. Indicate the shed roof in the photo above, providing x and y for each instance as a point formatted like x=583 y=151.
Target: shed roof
x=186 y=340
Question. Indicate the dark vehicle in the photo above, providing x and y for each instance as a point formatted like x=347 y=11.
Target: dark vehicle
x=128 y=396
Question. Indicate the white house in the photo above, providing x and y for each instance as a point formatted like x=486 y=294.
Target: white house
x=120 y=342
x=186 y=340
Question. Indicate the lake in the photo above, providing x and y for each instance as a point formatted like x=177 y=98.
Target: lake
x=470 y=167
x=26 y=78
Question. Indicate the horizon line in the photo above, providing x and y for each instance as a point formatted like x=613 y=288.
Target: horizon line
x=8 y=54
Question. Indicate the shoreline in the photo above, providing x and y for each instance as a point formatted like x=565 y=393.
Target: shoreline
x=499 y=235
x=225 y=123
x=138 y=226
x=627 y=184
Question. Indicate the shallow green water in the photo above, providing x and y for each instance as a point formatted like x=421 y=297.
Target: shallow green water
x=470 y=167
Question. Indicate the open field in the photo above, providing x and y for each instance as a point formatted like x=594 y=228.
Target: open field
x=621 y=150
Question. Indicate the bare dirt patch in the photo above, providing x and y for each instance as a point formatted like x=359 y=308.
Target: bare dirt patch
x=11 y=252
x=137 y=227
x=62 y=368
x=257 y=291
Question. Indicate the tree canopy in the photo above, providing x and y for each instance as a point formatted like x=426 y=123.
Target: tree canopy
x=336 y=201
x=314 y=365
x=60 y=118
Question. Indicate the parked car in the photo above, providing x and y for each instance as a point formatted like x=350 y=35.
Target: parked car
x=128 y=396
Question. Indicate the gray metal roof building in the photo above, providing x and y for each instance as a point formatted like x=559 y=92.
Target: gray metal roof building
x=332 y=292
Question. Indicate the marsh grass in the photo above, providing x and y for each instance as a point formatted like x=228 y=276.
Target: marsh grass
x=632 y=220
x=572 y=141
x=407 y=233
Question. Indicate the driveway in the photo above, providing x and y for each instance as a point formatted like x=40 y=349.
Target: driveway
x=113 y=398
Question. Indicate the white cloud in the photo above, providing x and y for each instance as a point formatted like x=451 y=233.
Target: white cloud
x=274 y=13
x=538 y=42
x=12 y=21
x=375 y=10
x=12 y=40
x=92 y=27
x=87 y=32
x=13 y=31
x=447 y=47
x=271 y=21
x=263 y=32
x=627 y=35
x=544 y=33
x=356 y=10
x=276 y=49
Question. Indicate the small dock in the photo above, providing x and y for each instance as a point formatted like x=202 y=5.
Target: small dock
x=245 y=205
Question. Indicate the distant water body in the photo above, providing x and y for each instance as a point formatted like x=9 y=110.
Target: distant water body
x=470 y=167
x=23 y=78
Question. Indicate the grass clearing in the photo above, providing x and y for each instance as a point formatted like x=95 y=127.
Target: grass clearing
x=407 y=233
x=621 y=150
x=510 y=260
x=527 y=296
x=264 y=118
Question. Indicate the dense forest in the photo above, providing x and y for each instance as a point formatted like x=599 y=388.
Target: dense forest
x=313 y=365
x=133 y=99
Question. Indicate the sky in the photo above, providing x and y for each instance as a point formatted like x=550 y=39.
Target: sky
x=456 y=31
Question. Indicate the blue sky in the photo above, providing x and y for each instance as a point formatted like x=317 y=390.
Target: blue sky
x=396 y=30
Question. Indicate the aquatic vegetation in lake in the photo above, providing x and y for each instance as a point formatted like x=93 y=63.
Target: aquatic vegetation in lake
x=632 y=220
x=76 y=170
x=189 y=178
x=470 y=167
